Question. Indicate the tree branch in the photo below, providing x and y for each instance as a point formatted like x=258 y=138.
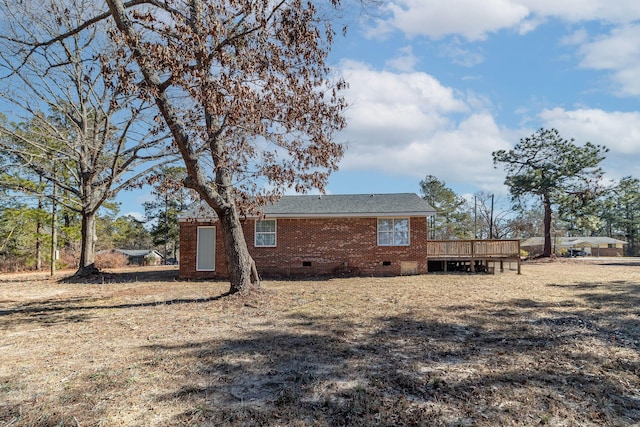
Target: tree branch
x=34 y=46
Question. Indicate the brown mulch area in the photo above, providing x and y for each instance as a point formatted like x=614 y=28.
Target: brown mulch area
x=558 y=345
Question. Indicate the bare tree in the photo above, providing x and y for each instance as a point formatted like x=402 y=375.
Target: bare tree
x=491 y=219
x=71 y=123
x=243 y=88
x=528 y=221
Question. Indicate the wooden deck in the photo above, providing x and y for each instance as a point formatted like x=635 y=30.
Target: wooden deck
x=471 y=255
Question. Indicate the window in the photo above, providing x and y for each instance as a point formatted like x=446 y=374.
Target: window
x=265 y=233
x=393 y=232
x=206 y=249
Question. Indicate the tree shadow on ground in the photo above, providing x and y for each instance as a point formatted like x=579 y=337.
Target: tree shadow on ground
x=614 y=311
x=526 y=363
x=59 y=311
x=608 y=295
x=147 y=274
x=627 y=262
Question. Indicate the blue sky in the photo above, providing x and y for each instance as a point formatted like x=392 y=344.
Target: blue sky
x=436 y=86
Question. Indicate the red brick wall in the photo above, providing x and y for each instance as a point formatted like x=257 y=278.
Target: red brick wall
x=607 y=252
x=189 y=246
x=333 y=247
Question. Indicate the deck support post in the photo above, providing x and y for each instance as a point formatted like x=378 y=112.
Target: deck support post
x=473 y=253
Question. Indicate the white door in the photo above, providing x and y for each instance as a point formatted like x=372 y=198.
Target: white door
x=206 y=251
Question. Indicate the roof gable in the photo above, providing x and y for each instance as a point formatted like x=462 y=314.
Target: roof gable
x=343 y=205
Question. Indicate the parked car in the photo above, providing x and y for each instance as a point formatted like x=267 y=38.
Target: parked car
x=576 y=252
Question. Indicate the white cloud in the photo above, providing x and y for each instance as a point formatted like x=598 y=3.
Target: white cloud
x=410 y=124
x=469 y=18
x=474 y=20
x=576 y=38
x=618 y=11
x=530 y=24
x=615 y=50
x=390 y=107
x=618 y=52
x=399 y=95
x=461 y=55
x=619 y=131
x=405 y=61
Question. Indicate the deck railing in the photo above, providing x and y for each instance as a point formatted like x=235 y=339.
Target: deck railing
x=452 y=249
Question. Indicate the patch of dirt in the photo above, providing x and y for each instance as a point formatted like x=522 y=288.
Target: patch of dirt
x=558 y=345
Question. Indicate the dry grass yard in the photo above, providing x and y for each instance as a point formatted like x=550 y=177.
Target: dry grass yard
x=558 y=345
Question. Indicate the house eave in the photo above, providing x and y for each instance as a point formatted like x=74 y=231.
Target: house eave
x=321 y=216
x=333 y=206
x=347 y=215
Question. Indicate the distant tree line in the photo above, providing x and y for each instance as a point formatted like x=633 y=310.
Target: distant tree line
x=26 y=226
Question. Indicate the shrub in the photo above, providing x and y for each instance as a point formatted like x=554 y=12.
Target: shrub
x=111 y=259
x=12 y=264
x=68 y=258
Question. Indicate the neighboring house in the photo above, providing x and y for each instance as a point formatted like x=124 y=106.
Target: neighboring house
x=363 y=234
x=142 y=256
x=591 y=246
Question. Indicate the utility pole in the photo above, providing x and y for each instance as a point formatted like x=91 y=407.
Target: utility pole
x=475 y=216
x=54 y=233
x=491 y=220
x=166 y=224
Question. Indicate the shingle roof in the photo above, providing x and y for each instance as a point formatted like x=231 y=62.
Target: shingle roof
x=341 y=205
x=571 y=241
x=138 y=252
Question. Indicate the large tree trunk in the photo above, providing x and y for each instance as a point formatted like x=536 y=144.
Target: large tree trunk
x=546 y=252
x=88 y=246
x=242 y=270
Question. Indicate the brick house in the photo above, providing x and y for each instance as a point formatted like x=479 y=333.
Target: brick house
x=362 y=234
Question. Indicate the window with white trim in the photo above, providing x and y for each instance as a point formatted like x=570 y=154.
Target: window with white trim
x=265 y=233
x=206 y=249
x=393 y=232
